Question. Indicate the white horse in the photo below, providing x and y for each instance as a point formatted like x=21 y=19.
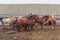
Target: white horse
x=5 y=21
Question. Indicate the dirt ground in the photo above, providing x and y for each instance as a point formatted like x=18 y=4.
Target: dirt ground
x=45 y=34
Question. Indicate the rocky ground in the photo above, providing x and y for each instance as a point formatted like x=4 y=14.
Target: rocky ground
x=45 y=34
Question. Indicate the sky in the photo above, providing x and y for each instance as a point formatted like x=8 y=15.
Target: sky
x=29 y=1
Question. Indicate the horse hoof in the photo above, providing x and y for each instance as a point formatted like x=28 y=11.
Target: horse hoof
x=53 y=28
x=21 y=30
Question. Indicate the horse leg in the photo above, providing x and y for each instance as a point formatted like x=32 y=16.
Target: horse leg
x=36 y=26
x=18 y=29
x=46 y=25
x=21 y=28
x=28 y=28
x=52 y=26
x=31 y=27
x=13 y=26
x=41 y=26
x=25 y=27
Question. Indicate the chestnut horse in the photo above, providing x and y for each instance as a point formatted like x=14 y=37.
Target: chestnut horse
x=11 y=20
x=52 y=21
x=47 y=20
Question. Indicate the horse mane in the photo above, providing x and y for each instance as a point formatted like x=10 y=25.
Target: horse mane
x=23 y=16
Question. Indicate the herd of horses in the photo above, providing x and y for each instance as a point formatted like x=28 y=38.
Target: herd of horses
x=29 y=22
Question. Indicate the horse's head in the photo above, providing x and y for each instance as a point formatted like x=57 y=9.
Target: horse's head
x=51 y=16
x=35 y=17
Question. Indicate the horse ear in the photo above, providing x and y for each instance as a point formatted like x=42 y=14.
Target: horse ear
x=52 y=15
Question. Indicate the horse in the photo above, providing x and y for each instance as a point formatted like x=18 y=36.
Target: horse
x=47 y=20
x=51 y=21
x=11 y=20
x=24 y=22
x=31 y=21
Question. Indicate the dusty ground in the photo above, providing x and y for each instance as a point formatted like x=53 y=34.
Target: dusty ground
x=45 y=34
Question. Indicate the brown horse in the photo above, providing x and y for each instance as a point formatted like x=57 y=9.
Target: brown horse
x=13 y=21
x=46 y=20
x=24 y=22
